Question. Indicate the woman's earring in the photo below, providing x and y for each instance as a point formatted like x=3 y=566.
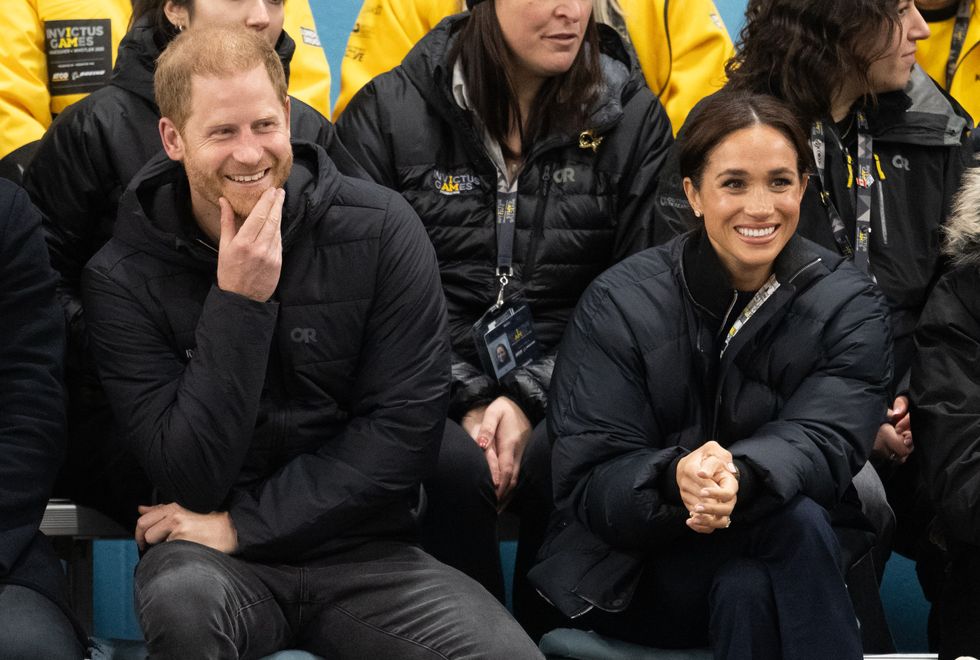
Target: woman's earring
x=180 y=27
x=697 y=214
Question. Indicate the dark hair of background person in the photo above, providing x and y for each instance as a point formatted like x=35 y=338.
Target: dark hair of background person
x=803 y=51
x=154 y=8
x=729 y=111
x=564 y=101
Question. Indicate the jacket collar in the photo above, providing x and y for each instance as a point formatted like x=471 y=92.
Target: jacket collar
x=921 y=114
x=710 y=288
x=142 y=46
x=155 y=212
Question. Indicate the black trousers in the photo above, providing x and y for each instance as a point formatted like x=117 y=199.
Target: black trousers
x=771 y=589
x=959 y=604
x=34 y=628
x=460 y=523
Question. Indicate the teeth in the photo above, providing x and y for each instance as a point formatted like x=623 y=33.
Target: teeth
x=755 y=233
x=247 y=179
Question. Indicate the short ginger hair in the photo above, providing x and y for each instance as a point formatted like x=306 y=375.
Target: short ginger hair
x=212 y=52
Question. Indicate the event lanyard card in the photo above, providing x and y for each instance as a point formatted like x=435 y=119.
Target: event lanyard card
x=504 y=338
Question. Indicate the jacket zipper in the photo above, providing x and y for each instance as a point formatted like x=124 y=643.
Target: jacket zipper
x=723 y=365
x=721 y=373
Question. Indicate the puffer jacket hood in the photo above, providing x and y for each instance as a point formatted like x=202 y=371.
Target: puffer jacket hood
x=963 y=230
x=141 y=47
x=154 y=216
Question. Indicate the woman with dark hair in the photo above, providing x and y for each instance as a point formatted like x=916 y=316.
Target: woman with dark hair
x=531 y=153
x=890 y=146
x=81 y=168
x=700 y=445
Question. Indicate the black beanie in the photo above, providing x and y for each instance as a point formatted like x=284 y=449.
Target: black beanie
x=472 y=3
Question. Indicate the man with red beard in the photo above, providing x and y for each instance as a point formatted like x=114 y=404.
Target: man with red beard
x=272 y=337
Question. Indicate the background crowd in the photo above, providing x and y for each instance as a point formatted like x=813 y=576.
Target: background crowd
x=812 y=301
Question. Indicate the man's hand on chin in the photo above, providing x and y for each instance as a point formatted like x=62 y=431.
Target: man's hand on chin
x=172 y=522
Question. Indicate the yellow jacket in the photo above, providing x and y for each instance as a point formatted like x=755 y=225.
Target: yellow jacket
x=692 y=67
x=30 y=94
x=933 y=53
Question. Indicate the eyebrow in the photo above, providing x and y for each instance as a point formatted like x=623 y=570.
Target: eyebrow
x=738 y=172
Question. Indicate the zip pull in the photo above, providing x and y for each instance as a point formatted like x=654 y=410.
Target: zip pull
x=504 y=281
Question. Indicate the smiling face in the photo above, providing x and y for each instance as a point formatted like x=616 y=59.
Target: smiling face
x=892 y=70
x=750 y=196
x=234 y=144
x=264 y=16
x=543 y=36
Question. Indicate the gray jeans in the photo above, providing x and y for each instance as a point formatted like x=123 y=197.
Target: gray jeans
x=380 y=600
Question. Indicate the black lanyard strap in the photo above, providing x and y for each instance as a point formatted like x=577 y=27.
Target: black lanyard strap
x=960 y=27
x=506 y=227
x=863 y=181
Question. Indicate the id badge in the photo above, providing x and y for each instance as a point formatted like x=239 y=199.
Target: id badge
x=504 y=338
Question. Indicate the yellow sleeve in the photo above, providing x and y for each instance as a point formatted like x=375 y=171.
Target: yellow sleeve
x=932 y=55
x=26 y=105
x=384 y=33
x=309 y=73
x=693 y=65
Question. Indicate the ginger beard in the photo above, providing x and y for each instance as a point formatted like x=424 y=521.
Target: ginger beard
x=242 y=197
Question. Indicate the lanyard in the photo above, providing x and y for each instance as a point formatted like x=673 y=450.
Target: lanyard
x=863 y=182
x=506 y=216
x=960 y=28
x=760 y=297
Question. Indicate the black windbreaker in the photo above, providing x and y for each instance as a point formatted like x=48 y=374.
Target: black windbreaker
x=312 y=417
x=579 y=210
x=946 y=380
x=920 y=140
x=641 y=380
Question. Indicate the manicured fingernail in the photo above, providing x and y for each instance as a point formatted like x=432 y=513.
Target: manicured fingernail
x=699 y=508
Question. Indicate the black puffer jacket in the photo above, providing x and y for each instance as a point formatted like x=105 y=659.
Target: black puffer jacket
x=946 y=381
x=920 y=140
x=641 y=381
x=313 y=417
x=84 y=163
x=32 y=399
x=578 y=210
x=95 y=147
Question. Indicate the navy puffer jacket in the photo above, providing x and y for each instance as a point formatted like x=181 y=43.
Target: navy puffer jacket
x=641 y=380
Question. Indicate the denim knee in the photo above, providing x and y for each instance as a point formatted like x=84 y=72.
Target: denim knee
x=179 y=583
